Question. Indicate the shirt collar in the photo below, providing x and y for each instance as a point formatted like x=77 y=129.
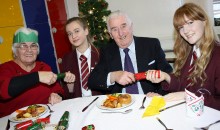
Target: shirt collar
x=86 y=53
x=131 y=47
x=197 y=50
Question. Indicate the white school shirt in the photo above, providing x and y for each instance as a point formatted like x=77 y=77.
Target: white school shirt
x=87 y=54
x=198 y=53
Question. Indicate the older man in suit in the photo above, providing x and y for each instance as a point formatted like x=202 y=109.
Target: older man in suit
x=127 y=55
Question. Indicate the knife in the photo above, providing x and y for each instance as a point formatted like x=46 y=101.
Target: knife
x=172 y=106
x=89 y=104
x=8 y=125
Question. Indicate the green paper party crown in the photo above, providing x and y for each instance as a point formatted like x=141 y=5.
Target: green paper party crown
x=22 y=37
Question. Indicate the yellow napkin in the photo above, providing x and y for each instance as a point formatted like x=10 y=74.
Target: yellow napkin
x=156 y=104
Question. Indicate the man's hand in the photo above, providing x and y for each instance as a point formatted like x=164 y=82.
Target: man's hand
x=122 y=77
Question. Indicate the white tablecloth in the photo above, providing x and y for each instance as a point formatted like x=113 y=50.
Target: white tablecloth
x=174 y=118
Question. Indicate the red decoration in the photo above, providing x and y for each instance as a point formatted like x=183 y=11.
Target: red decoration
x=95 y=37
x=44 y=120
x=24 y=125
x=140 y=76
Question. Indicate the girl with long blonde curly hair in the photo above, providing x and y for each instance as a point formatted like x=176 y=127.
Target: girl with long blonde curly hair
x=182 y=47
x=194 y=34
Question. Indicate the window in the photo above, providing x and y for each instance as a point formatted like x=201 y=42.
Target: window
x=216 y=10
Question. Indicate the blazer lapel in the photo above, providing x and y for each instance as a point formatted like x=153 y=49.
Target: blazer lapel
x=140 y=55
x=115 y=58
x=94 y=57
x=77 y=84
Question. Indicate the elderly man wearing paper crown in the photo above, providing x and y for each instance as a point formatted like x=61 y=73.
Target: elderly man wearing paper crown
x=25 y=81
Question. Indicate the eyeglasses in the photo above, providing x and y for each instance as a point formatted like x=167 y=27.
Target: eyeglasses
x=26 y=47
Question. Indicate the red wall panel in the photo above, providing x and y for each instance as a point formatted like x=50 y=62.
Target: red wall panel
x=58 y=17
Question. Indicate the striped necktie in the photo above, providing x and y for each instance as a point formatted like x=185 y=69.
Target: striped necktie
x=84 y=71
x=191 y=68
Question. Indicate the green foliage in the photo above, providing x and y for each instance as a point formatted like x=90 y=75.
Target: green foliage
x=95 y=11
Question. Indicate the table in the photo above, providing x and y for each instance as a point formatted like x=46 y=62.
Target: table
x=174 y=118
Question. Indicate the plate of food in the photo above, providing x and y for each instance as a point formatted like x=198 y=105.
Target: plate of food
x=31 y=112
x=115 y=101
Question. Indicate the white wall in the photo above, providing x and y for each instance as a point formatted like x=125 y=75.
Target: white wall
x=151 y=18
x=72 y=8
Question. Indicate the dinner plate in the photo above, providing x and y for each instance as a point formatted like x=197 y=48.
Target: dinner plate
x=104 y=97
x=12 y=117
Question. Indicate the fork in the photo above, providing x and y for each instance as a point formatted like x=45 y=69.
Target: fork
x=163 y=124
x=207 y=127
x=142 y=107
x=51 y=111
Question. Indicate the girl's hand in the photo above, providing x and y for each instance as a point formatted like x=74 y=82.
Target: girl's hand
x=156 y=76
x=175 y=96
x=69 y=77
x=152 y=94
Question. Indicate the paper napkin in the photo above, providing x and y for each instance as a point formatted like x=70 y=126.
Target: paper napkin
x=156 y=104
x=194 y=104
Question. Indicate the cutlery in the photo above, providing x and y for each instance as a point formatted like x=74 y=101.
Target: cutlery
x=163 y=124
x=8 y=125
x=89 y=104
x=207 y=127
x=123 y=112
x=172 y=106
x=142 y=107
x=51 y=111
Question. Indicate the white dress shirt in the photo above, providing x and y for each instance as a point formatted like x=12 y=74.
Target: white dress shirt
x=132 y=55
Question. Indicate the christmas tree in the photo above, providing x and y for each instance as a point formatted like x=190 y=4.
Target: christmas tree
x=96 y=12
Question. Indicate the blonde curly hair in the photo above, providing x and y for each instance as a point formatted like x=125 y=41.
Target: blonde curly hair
x=182 y=48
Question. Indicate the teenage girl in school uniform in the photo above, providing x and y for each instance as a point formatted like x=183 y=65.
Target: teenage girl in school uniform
x=78 y=34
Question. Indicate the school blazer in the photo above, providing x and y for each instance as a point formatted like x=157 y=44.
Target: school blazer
x=70 y=63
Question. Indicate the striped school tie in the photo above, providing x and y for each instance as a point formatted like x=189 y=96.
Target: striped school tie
x=191 y=68
x=84 y=71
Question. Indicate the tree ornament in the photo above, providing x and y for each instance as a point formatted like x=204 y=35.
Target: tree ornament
x=81 y=2
x=102 y=38
x=80 y=14
x=104 y=5
x=95 y=37
x=104 y=18
x=90 y=12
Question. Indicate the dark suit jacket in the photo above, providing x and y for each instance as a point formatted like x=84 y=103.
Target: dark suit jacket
x=212 y=84
x=147 y=50
x=70 y=63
